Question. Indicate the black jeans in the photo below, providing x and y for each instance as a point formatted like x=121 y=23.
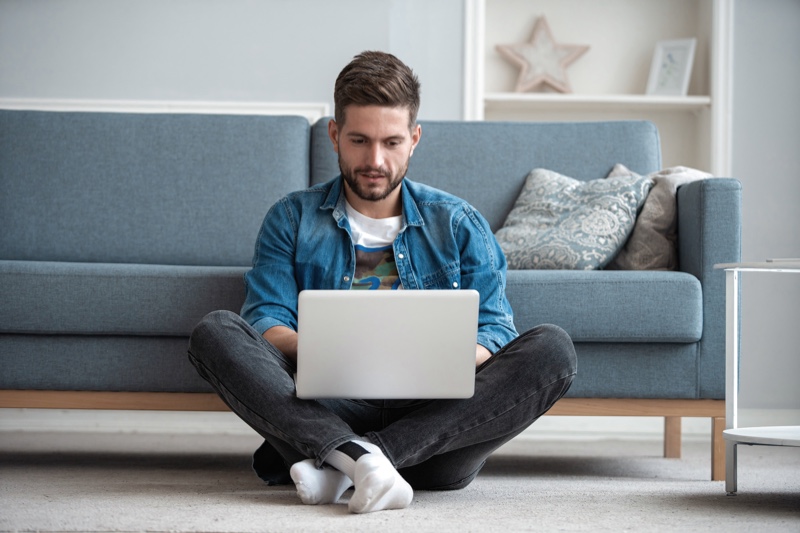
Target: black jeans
x=434 y=444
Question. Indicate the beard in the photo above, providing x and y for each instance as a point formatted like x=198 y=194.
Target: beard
x=372 y=193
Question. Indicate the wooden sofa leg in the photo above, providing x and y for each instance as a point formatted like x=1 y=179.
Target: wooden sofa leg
x=717 y=449
x=672 y=437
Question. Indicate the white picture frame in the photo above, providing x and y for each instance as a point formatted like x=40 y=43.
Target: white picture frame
x=671 y=68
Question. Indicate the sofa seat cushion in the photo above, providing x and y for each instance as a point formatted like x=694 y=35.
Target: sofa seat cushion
x=609 y=306
x=113 y=299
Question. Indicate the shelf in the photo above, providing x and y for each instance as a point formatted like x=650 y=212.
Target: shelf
x=603 y=102
x=767 y=436
x=775 y=265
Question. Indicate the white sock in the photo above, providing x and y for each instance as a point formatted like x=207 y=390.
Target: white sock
x=347 y=463
x=378 y=486
x=318 y=486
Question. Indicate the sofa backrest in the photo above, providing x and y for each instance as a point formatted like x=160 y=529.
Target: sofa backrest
x=143 y=188
x=486 y=163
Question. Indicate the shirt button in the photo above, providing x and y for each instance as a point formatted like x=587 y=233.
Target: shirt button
x=400 y=256
x=347 y=278
x=455 y=285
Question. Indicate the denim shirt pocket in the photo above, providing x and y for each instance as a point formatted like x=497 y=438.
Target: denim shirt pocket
x=447 y=277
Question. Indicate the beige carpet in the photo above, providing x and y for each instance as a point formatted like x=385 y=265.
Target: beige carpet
x=117 y=482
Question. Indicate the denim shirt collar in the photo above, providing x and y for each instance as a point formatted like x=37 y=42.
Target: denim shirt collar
x=335 y=201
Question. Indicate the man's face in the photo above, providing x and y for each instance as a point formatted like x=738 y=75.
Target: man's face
x=374 y=146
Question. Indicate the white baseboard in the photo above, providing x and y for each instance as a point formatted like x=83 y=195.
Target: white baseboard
x=226 y=423
x=312 y=111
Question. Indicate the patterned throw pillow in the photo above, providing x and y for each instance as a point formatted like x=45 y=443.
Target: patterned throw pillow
x=563 y=223
x=653 y=244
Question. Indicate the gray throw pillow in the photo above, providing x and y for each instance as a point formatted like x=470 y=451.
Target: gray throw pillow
x=563 y=223
x=653 y=242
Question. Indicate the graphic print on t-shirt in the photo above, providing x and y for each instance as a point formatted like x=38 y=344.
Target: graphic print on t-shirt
x=375 y=269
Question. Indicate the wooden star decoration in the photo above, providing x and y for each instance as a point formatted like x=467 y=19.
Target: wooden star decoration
x=542 y=61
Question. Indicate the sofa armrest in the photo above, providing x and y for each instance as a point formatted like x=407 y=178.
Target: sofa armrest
x=709 y=232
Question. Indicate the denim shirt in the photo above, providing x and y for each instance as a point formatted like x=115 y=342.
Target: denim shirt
x=444 y=243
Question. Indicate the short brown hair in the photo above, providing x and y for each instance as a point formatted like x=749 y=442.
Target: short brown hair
x=376 y=78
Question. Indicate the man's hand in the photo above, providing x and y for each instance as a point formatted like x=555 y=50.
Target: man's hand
x=481 y=355
x=284 y=339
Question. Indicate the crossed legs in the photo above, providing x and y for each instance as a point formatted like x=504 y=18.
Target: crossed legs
x=440 y=444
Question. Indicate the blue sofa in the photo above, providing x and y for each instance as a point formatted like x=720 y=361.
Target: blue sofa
x=121 y=230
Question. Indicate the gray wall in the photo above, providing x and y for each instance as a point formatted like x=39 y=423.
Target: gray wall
x=766 y=159
x=291 y=51
x=233 y=50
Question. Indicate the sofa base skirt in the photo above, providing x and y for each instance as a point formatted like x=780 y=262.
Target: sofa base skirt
x=636 y=370
x=161 y=364
x=98 y=363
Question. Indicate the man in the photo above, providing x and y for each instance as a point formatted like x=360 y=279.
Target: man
x=371 y=227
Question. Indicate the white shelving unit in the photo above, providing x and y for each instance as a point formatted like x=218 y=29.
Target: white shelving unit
x=609 y=81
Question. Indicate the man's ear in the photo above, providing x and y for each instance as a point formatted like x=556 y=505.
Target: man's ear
x=333 y=133
x=416 y=135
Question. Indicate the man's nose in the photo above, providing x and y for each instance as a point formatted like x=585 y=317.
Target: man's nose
x=376 y=155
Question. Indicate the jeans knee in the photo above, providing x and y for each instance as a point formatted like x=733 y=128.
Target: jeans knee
x=221 y=317
x=209 y=330
x=558 y=348
x=213 y=322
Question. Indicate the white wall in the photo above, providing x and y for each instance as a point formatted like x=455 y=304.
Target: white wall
x=229 y=50
x=766 y=159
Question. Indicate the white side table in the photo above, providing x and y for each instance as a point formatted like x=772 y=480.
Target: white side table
x=733 y=434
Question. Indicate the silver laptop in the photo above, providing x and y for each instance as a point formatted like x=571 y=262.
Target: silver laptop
x=398 y=344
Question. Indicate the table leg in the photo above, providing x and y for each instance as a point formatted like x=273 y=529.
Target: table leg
x=730 y=467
